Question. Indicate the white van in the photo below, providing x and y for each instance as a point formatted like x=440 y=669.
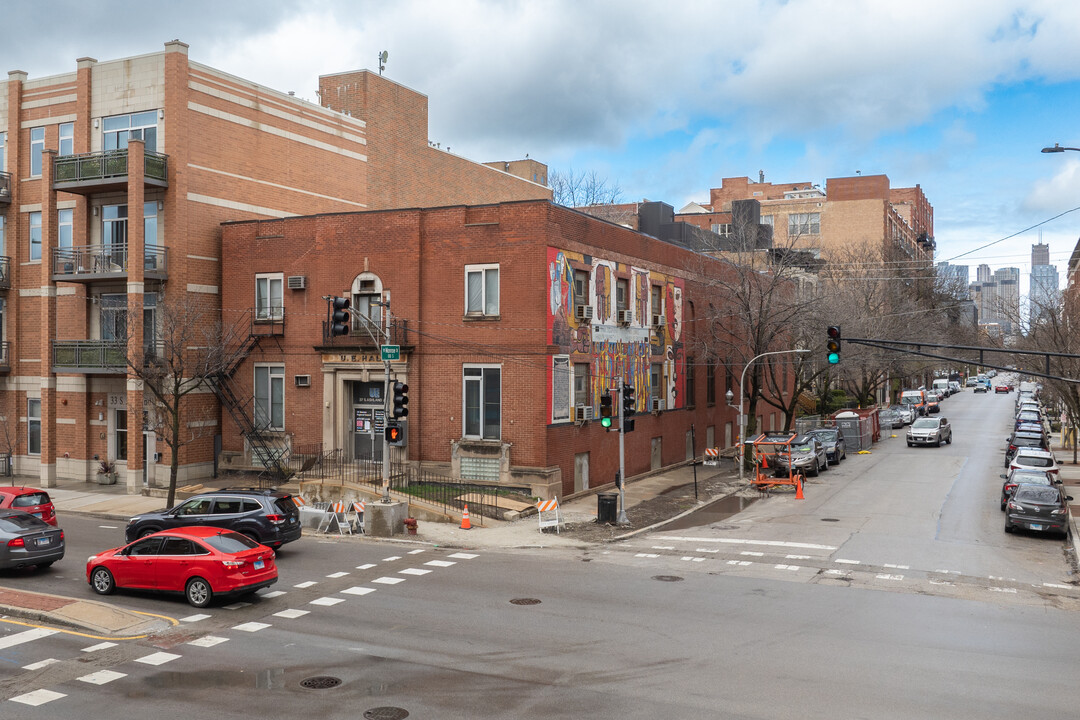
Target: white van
x=942 y=384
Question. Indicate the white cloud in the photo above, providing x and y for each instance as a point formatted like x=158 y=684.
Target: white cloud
x=1058 y=193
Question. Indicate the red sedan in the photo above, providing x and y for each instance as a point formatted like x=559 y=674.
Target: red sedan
x=1002 y=389
x=199 y=562
x=30 y=500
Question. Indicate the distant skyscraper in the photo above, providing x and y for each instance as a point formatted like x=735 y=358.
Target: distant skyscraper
x=983 y=273
x=955 y=279
x=1040 y=254
x=1044 y=282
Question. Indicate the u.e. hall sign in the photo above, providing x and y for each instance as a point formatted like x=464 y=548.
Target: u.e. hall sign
x=357 y=358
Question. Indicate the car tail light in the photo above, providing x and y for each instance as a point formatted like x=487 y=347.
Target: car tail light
x=1009 y=488
x=1016 y=506
x=1012 y=448
x=232 y=563
x=61 y=534
x=276 y=519
x=1059 y=511
x=16 y=542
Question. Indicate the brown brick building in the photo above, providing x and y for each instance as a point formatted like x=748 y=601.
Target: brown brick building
x=145 y=157
x=513 y=320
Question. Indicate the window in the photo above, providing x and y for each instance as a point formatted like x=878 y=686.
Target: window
x=64 y=226
x=721 y=228
x=269 y=302
x=656 y=380
x=2 y=235
x=114 y=235
x=33 y=422
x=690 y=389
x=482 y=290
x=366 y=296
x=67 y=139
x=482 y=397
x=35 y=236
x=622 y=294
x=117 y=130
x=120 y=435
x=767 y=220
x=37 y=147
x=710 y=384
x=150 y=345
x=150 y=222
x=804 y=224
x=270 y=397
x=113 y=316
x=581 y=287
x=3 y=151
x=657 y=299
x=581 y=383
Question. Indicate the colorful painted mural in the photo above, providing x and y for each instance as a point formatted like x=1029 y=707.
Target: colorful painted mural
x=609 y=348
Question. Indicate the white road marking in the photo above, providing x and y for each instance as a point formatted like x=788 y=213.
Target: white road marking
x=898 y=567
x=463 y=556
x=236 y=606
x=752 y=553
x=388 y=580
x=307 y=584
x=769 y=543
x=797 y=557
x=946 y=572
x=714 y=550
x=440 y=563
x=1004 y=590
x=842 y=561
x=337 y=575
x=208 y=641
x=392 y=558
x=663 y=547
x=327 y=601
x=40 y=664
x=740 y=563
x=158 y=658
x=102 y=676
x=416 y=552
x=109 y=527
x=38 y=697
x=99 y=646
x=272 y=594
x=251 y=626
x=291 y=614
x=647 y=555
x=368 y=566
x=690 y=558
x=787 y=567
x=942 y=582
x=25 y=636
x=413 y=571
x=357 y=591
x=834 y=571
x=1055 y=585
x=889 y=577
x=195 y=618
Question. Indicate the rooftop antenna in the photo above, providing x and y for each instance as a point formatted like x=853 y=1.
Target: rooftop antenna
x=382 y=60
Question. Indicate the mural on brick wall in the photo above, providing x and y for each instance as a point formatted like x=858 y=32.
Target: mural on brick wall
x=613 y=346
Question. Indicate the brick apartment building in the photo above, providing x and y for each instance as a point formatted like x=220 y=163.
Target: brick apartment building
x=513 y=319
x=145 y=157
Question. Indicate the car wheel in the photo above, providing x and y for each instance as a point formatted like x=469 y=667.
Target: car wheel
x=948 y=440
x=198 y=592
x=826 y=465
x=252 y=537
x=146 y=531
x=817 y=469
x=1008 y=527
x=844 y=456
x=1002 y=506
x=102 y=581
x=937 y=443
x=909 y=444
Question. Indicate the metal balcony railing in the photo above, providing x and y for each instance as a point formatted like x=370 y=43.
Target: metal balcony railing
x=360 y=337
x=5 y=272
x=106 y=261
x=109 y=167
x=5 y=188
x=5 y=356
x=88 y=356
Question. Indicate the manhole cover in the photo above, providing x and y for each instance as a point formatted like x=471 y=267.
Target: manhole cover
x=320 y=682
x=667 y=578
x=524 y=601
x=386 y=713
x=830 y=519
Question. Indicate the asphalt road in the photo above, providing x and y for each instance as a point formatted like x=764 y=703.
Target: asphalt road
x=912 y=604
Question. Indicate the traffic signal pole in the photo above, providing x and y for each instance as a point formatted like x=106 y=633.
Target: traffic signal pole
x=623 y=520
x=387 y=414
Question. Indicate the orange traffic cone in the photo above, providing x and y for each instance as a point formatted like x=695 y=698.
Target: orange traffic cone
x=465 y=524
x=798 y=488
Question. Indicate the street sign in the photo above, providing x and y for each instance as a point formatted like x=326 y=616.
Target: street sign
x=391 y=352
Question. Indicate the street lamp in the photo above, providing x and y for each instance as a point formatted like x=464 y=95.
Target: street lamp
x=742 y=415
x=1057 y=148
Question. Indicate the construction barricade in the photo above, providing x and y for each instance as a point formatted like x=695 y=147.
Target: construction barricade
x=547 y=511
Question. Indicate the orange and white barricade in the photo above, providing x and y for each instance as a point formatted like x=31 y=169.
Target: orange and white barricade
x=336 y=515
x=299 y=501
x=547 y=512
x=712 y=456
x=356 y=517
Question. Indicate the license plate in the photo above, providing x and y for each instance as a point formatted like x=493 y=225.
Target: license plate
x=258 y=564
x=1035 y=526
x=43 y=541
x=37 y=515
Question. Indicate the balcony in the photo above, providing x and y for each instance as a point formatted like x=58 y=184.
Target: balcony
x=5 y=272
x=5 y=356
x=5 y=188
x=360 y=338
x=93 y=263
x=106 y=171
x=92 y=357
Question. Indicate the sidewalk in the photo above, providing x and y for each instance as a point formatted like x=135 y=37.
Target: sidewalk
x=113 y=502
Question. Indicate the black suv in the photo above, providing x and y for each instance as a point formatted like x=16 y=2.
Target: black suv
x=266 y=516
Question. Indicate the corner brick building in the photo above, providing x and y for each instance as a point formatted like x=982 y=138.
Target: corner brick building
x=513 y=320
x=114 y=181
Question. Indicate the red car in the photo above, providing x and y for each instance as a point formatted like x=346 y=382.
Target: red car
x=30 y=500
x=1002 y=389
x=199 y=562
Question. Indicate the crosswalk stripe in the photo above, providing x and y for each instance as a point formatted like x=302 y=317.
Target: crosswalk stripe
x=102 y=676
x=25 y=636
x=38 y=697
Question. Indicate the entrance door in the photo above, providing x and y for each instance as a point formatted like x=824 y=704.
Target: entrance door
x=655 y=461
x=149 y=443
x=581 y=472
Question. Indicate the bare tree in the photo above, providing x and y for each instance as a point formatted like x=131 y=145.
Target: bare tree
x=187 y=351
x=580 y=190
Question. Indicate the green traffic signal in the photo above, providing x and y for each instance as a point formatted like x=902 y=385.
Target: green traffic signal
x=834 y=358
x=605 y=422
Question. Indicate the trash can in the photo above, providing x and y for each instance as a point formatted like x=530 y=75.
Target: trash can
x=607 y=507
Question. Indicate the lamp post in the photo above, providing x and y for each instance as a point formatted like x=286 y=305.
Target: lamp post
x=1057 y=148
x=742 y=415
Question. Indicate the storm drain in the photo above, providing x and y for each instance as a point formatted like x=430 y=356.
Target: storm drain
x=667 y=578
x=386 y=713
x=320 y=682
x=525 y=601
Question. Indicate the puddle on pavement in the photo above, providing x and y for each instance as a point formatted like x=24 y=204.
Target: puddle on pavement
x=716 y=511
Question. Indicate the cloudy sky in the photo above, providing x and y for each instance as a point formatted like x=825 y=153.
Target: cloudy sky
x=667 y=98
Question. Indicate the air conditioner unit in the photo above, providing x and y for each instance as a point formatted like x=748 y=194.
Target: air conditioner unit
x=659 y=320
x=625 y=317
x=302 y=380
x=657 y=404
x=583 y=413
x=583 y=312
x=297 y=282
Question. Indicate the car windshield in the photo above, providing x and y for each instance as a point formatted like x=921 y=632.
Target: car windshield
x=1027 y=442
x=802 y=448
x=230 y=542
x=826 y=435
x=21 y=522
x=925 y=423
x=1044 y=495
x=1032 y=461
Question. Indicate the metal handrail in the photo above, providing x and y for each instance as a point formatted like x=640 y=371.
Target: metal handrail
x=100 y=259
x=88 y=355
x=106 y=165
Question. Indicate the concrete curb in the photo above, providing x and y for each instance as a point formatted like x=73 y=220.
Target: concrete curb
x=89 y=616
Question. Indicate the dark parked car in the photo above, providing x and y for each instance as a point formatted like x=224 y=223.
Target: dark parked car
x=890 y=418
x=1023 y=477
x=266 y=516
x=27 y=540
x=1024 y=439
x=807 y=456
x=1038 y=507
x=833 y=440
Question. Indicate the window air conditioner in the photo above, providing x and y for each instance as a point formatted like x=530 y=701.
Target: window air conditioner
x=657 y=404
x=659 y=320
x=583 y=413
x=583 y=312
x=625 y=317
x=302 y=380
x=297 y=282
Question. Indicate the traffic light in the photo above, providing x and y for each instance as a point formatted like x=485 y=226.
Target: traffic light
x=629 y=403
x=401 y=400
x=339 y=316
x=395 y=434
x=832 y=345
x=607 y=410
